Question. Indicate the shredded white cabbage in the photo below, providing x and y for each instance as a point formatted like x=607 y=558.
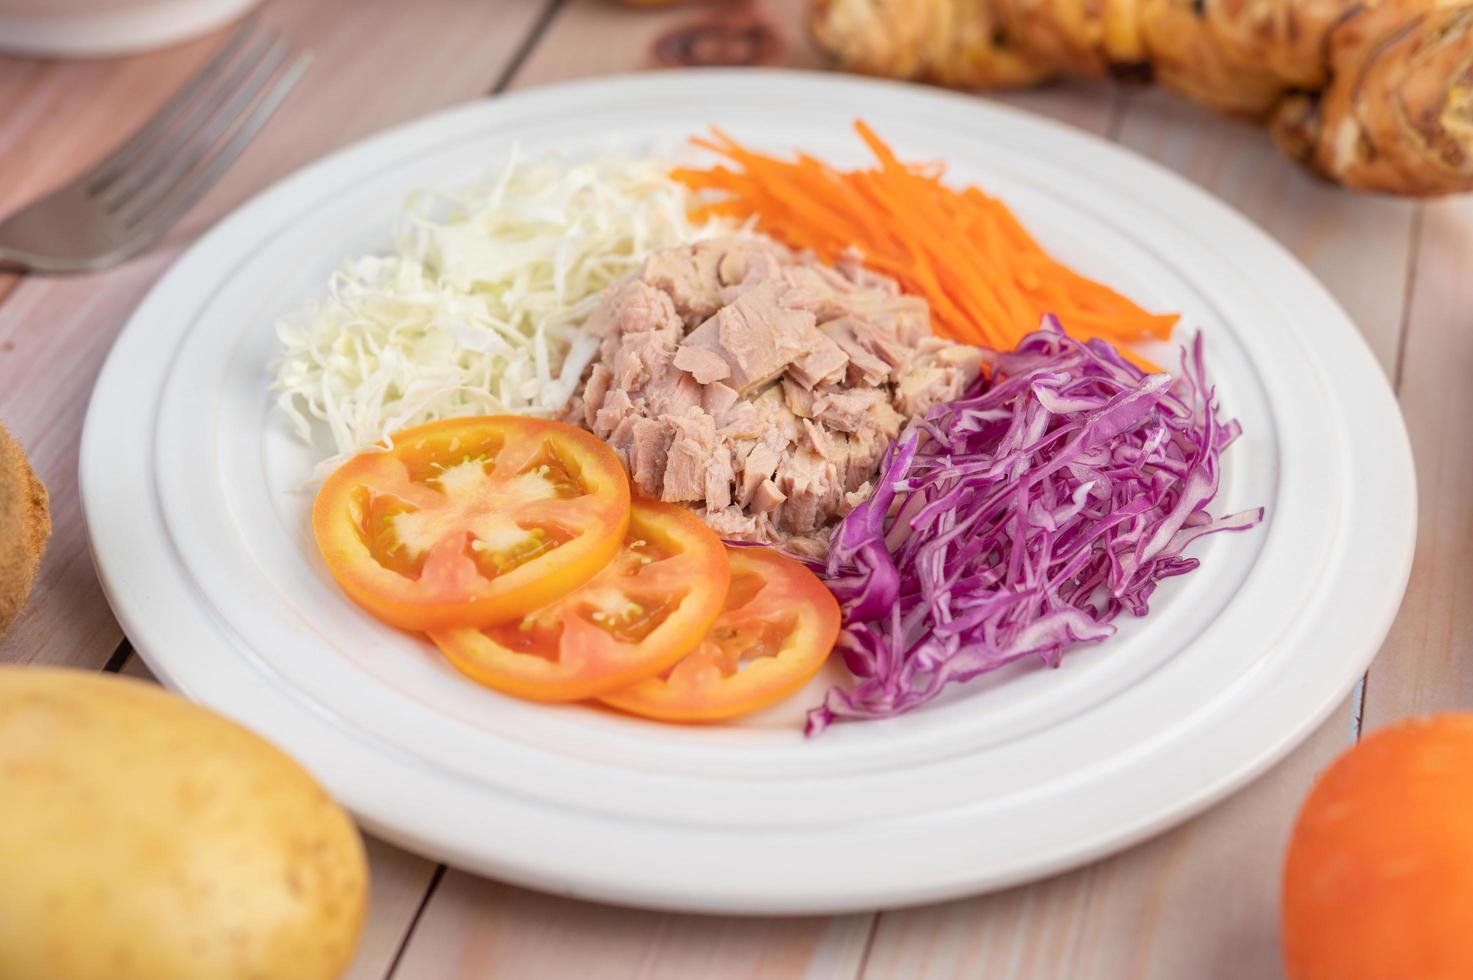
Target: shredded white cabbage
x=481 y=306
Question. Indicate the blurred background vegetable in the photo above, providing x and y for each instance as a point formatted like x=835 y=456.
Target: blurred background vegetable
x=1378 y=883
x=1377 y=96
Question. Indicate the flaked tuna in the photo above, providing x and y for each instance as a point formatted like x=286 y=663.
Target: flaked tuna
x=760 y=386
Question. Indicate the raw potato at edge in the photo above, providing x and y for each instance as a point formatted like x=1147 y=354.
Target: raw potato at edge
x=145 y=838
x=25 y=524
x=1376 y=96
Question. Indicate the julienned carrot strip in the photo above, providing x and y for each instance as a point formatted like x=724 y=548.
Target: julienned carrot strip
x=982 y=311
x=986 y=278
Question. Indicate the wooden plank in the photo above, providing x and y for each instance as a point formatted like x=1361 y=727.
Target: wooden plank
x=1427 y=663
x=477 y=928
x=55 y=332
x=398 y=883
x=1201 y=900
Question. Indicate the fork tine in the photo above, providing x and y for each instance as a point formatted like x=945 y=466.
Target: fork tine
x=145 y=169
x=147 y=226
x=155 y=181
x=112 y=165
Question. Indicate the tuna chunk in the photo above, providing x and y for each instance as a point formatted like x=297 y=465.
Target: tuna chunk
x=760 y=386
x=798 y=398
x=735 y=525
x=688 y=277
x=755 y=336
x=595 y=390
x=774 y=419
x=818 y=439
x=823 y=364
x=648 y=449
x=814 y=546
x=691 y=453
x=717 y=399
x=671 y=391
x=768 y=498
x=849 y=409
x=616 y=408
x=750 y=261
x=805 y=478
x=854 y=498
x=937 y=378
x=757 y=465
x=641 y=357
x=865 y=449
x=633 y=306
x=718 y=479
x=875 y=356
x=704 y=365
x=742 y=421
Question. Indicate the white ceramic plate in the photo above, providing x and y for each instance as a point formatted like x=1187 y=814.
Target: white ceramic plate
x=200 y=534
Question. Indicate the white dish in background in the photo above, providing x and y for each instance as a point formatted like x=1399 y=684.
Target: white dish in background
x=101 y=28
x=202 y=543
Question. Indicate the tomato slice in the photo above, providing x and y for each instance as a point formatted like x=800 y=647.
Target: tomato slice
x=472 y=520
x=646 y=610
x=776 y=629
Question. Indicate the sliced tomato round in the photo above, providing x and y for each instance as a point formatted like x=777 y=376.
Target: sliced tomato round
x=646 y=610
x=472 y=520
x=775 y=630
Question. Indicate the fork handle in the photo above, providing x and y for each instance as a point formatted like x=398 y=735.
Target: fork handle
x=14 y=260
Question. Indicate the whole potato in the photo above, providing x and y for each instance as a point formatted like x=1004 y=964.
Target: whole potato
x=144 y=837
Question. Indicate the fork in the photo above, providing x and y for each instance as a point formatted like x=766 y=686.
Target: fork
x=129 y=199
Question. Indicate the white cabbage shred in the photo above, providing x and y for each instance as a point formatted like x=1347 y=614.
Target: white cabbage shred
x=481 y=306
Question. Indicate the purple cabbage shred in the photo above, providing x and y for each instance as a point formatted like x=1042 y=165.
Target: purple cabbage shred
x=1022 y=519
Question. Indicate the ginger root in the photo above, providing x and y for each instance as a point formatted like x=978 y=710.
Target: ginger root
x=1374 y=94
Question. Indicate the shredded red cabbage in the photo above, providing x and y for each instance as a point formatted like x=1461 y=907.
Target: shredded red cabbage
x=1022 y=519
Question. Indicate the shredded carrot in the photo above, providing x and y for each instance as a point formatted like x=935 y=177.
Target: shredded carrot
x=987 y=281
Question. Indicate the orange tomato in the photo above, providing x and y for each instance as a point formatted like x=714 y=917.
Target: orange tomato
x=471 y=521
x=1378 y=883
x=775 y=630
x=646 y=610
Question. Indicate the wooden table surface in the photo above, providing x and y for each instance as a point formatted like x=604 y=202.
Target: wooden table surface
x=1198 y=902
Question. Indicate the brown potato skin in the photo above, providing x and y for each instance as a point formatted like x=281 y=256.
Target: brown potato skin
x=25 y=524
x=145 y=838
